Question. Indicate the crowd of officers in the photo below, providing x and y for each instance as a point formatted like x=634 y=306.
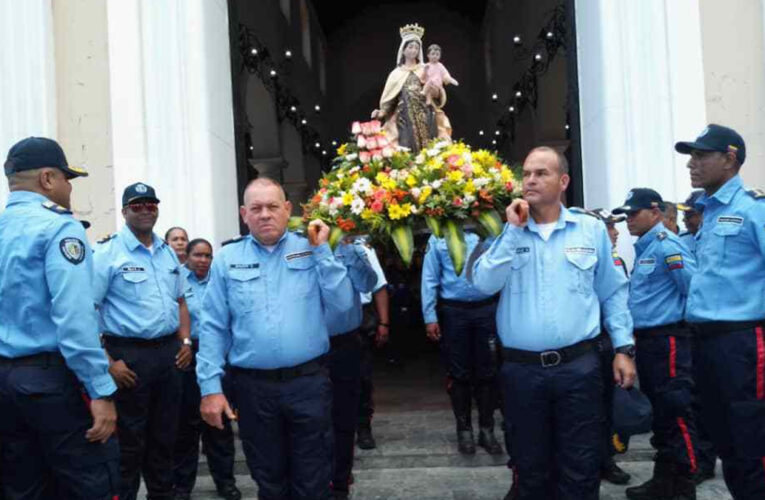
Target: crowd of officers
x=157 y=341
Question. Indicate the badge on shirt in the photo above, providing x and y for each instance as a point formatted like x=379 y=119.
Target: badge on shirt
x=72 y=249
x=298 y=255
x=730 y=219
x=646 y=262
x=674 y=261
x=132 y=269
x=580 y=250
x=244 y=266
x=520 y=250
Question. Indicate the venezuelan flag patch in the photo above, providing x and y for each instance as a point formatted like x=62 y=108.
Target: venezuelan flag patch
x=674 y=261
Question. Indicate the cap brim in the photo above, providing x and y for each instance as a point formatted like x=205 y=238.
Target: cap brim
x=73 y=172
x=624 y=210
x=616 y=219
x=685 y=147
x=136 y=198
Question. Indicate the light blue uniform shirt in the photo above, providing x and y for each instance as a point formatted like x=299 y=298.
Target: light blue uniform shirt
x=366 y=298
x=660 y=280
x=46 y=299
x=440 y=280
x=137 y=291
x=689 y=240
x=266 y=310
x=730 y=252
x=363 y=278
x=553 y=291
x=195 y=292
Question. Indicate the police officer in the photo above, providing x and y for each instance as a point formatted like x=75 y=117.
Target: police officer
x=265 y=311
x=554 y=270
x=57 y=415
x=218 y=444
x=468 y=338
x=726 y=306
x=691 y=219
x=658 y=290
x=139 y=290
x=345 y=360
x=609 y=470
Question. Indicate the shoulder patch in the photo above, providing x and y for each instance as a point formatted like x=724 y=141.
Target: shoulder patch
x=232 y=240
x=107 y=238
x=73 y=250
x=661 y=236
x=674 y=261
x=756 y=193
x=54 y=207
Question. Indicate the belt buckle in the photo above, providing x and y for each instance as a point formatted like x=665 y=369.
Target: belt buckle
x=554 y=362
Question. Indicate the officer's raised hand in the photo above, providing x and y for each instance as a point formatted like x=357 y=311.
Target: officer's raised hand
x=624 y=370
x=104 y=420
x=122 y=375
x=433 y=331
x=211 y=408
x=318 y=233
x=518 y=212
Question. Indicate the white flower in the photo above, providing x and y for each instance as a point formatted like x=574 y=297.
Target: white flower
x=441 y=144
x=468 y=198
x=420 y=158
x=433 y=152
x=351 y=156
x=480 y=182
x=333 y=211
x=340 y=175
x=415 y=210
x=354 y=170
x=467 y=157
x=357 y=206
x=362 y=185
x=436 y=184
x=415 y=192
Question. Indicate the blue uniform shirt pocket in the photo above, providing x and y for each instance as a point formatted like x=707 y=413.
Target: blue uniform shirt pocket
x=246 y=289
x=582 y=270
x=518 y=275
x=305 y=276
x=135 y=283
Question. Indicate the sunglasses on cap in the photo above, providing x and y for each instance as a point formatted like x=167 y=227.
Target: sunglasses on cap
x=143 y=207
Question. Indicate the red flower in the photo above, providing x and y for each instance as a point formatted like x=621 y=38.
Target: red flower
x=457 y=201
x=377 y=206
x=509 y=186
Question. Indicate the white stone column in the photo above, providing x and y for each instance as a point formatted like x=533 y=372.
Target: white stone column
x=641 y=89
x=27 y=75
x=172 y=115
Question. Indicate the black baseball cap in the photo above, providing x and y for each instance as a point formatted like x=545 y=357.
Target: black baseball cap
x=716 y=138
x=639 y=199
x=689 y=205
x=138 y=191
x=39 y=152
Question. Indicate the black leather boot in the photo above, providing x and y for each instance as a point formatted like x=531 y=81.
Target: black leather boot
x=660 y=487
x=486 y=398
x=460 y=394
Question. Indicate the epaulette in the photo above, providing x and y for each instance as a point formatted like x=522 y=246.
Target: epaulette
x=54 y=207
x=661 y=236
x=756 y=193
x=107 y=238
x=232 y=240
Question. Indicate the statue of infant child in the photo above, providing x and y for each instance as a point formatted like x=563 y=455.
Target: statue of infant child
x=435 y=76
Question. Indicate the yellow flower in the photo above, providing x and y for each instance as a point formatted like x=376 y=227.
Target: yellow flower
x=347 y=198
x=367 y=214
x=478 y=170
x=424 y=194
x=506 y=175
x=469 y=187
x=406 y=209
x=394 y=212
x=342 y=149
x=411 y=181
x=455 y=175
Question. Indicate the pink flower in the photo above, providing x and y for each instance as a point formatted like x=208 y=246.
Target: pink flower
x=366 y=129
x=361 y=142
x=467 y=170
x=379 y=194
x=453 y=159
x=457 y=202
x=509 y=186
x=356 y=128
x=387 y=151
x=377 y=206
x=376 y=126
x=371 y=142
x=382 y=141
x=377 y=154
x=364 y=156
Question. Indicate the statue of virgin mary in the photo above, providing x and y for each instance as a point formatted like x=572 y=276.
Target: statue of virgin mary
x=407 y=119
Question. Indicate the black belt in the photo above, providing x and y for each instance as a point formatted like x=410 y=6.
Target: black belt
x=344 y=339
x=116 y=341
x=43 y=359
x=463 y=304
x=679 y=329
x=282 y=374
x=718 y=327
x=550 y=358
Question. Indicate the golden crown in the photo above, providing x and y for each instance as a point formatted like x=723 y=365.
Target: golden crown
x=412 y=29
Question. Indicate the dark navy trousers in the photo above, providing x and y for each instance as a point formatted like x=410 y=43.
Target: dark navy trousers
x=468 y=339
x=664 y=365
x=286 y=432
x=217 y=444
x=43 y=451
x=147 y=414
x=345 y=373
x=554 y=417
x=730 y=374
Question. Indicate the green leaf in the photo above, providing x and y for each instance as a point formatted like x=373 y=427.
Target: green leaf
x=434 y=225
x=404 y=241
x=491 y=221
x=335 y=235
x=296 y=224
x=455 y=242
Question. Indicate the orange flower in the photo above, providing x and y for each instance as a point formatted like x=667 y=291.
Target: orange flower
x=345 y=225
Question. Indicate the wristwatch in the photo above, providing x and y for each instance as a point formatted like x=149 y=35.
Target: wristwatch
x=187 y=341
x=629 y=350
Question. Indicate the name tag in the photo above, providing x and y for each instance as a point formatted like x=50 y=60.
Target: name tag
x=133 y=269
x=580 y=250
x=298 y=255
x=244 y=266
x=646 y=262
x=521 y=250
x=730 y=219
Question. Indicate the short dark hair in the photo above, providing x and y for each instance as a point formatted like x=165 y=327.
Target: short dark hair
x=562 y=161
x=175 y=228
x=434 y=46
x=196 y=241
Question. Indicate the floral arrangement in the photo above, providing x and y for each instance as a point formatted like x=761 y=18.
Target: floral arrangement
x=375 y=188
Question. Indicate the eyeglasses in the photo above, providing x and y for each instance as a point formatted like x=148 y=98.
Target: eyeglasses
x=143 y=207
